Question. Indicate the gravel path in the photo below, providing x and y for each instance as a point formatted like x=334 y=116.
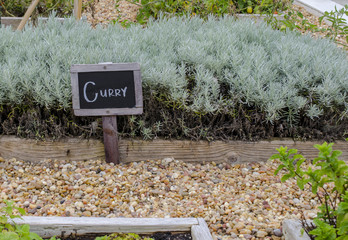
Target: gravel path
x=245 y=201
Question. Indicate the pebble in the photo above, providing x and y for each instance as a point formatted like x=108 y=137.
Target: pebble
x=87 y=213
x=239 y=200
x=239 y=226
x=245 y=231
x=261 y=234
x=89 y=190
x=26 y=204
x=277 y=232
x=32 y=206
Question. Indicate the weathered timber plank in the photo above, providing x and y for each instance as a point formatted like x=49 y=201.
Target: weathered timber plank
x=233 y=152
x=68 y=149
x=15 y=21
x=112 y=154
x=54 y=226
x=138 y=150
x=201 y=231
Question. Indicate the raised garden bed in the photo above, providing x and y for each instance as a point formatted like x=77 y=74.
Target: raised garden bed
x=64 y=226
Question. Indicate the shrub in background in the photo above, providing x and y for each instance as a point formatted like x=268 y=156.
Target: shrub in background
x=295 y=21
x=204 y=8
x=196 y=75
x=17 y=8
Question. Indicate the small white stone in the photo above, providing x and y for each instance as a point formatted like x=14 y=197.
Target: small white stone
x=175 y=175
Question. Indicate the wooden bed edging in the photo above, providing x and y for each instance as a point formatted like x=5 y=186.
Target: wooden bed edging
x=15 y=21
x=75 y=149
x=55 y=226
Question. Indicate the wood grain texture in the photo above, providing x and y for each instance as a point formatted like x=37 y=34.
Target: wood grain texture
x=138 y=150
x=105 y=67
x=201 y=231
x=50 y=226
x=27 y=14
x=108 y=111
x=15 y=21
x=75 y=90
x=68 y=149
x=138 y=90
x=77 y=9
x=110 y=136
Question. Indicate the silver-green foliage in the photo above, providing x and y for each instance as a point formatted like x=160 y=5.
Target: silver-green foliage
x=200 y=66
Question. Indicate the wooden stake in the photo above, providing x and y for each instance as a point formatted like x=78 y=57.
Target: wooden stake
x=111 y=139
x=28 y=14
x=77 y=9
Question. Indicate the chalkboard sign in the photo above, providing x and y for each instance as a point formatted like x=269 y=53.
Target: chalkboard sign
x=106 y=89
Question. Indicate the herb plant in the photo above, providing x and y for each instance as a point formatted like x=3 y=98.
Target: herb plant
x=328 y=179
x=338 y=24
x=198 y=76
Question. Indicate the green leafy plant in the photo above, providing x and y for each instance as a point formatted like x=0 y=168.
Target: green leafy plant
x=328 y=179
x=338 y=26
x=9 y=230
x=295 y=21
x=17 y=8
x=123 y=236
x=63 y=8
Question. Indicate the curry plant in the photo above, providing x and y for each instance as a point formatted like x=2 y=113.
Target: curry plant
x=328 y=180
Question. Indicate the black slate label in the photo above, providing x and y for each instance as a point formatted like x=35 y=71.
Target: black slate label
x=100 y=90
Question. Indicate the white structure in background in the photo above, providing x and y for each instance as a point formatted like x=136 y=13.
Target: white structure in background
x=318 y=7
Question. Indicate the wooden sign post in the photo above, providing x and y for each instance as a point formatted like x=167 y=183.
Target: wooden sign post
x=107 y=90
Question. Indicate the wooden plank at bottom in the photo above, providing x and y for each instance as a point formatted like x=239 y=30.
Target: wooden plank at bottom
x=54 y=226
x=139 y=150
x=201 y=231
